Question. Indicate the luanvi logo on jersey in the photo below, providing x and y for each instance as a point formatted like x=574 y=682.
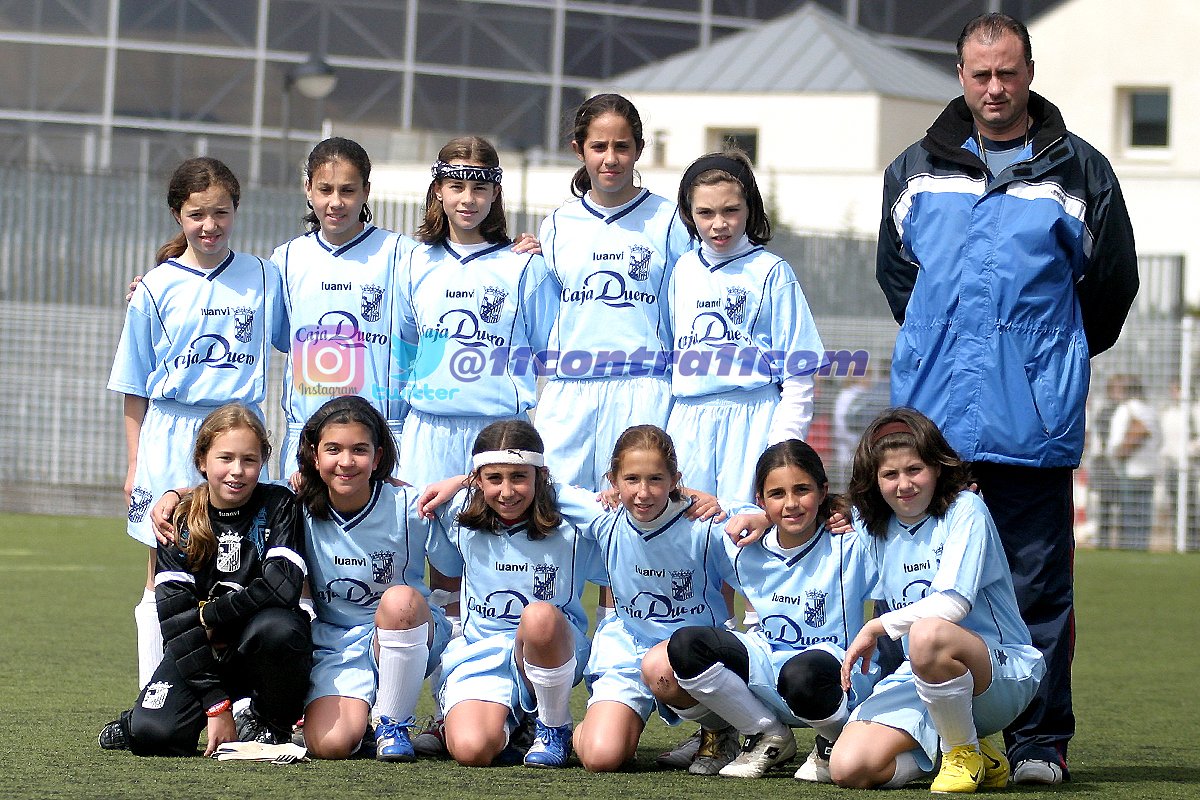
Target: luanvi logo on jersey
x=814 y=608
x=372 y=303
x=229 y=552
x=211 y=350
x=139 y=501
x=243 y=324
x=608 y=287
x=735 y=304
x=492 y=304
x=382 y=566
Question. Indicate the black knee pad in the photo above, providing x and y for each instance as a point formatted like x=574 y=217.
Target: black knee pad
x=811 y=684
x=694 y=649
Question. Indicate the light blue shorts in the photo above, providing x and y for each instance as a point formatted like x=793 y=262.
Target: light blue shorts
x=895 y=702
x=719 y=437
x=487 y=670
x=581 y=420
x=614 y=672
x=434 y=447
x=344 y=662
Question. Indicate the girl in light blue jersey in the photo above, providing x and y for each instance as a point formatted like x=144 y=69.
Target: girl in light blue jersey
x=472 y=309
x=746 y=347
x=375 y=636
x=197 y=335
x=611 y=253
x=810 y=588
x=970 y=667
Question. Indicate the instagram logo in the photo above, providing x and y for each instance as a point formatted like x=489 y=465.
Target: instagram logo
x=324 y=356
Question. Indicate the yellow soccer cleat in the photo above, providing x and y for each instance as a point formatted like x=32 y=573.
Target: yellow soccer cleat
x=962 y=771
x=995 y=765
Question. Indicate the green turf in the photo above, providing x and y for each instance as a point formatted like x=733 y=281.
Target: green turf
x=67 y=587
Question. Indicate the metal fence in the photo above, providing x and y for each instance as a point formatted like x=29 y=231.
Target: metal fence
x=71 y=243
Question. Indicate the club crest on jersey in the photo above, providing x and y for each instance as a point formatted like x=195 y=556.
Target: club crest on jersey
x=139 y=501
x=243 y=324
x=543 y=581
x=491 y=304
x=372 y=303
x=735 y=304
x=681 y=584
x=814 y=608
x=229 y=552
x=639 y=262
x=156 y=695
x=382 y=566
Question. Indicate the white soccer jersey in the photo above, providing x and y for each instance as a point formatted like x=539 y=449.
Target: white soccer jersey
x=811 y=596
x=666 y=577
x=958 y=552
x=339 y=321
x=353 y=561
x=612 y=267
x=200 y=337
x=475 y=321
x=741 y=323
x=505 y=571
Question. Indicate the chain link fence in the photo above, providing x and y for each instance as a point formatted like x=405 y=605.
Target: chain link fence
x=72 y=242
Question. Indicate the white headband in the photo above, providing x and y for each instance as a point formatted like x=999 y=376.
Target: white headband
x=510 y=456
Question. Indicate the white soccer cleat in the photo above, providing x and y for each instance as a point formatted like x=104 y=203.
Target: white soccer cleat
x=1035 y=771
x=761 y=752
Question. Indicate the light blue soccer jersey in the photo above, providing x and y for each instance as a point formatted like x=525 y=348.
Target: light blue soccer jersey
x=339 y=317
x=505 y=571
x=741 y=323
x=666 y=577
x=612 y=267
x=475 y=321
x=200 y=337
x=353 y=561
x=814 y=595
x=958 y=552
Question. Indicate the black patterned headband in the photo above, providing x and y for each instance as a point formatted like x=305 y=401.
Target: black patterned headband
x=733 y=166
x=466 y=172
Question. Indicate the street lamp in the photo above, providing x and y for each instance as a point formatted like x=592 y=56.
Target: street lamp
x=314 y=79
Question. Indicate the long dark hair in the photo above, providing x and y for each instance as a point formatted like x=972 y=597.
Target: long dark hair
x=195 y=175
x=794 y=453
x=893 y=429
x=465 y=149
x=589 y=110
x=508 y=434
x=314 y=494
x=330 y=150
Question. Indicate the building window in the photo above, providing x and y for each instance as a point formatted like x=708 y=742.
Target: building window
x=744 y=139
x=1148 y=112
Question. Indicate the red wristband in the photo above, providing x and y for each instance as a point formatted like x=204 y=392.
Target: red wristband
x=219 y=709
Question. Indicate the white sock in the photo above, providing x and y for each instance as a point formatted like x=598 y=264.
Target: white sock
x=950 y=706
x=907 y=770
x=720 y=690
x=701 y=715
x=552 y=689
x=149 y=637
x=403 y=655
x=831 y=727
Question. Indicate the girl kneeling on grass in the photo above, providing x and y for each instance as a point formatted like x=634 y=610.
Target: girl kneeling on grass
x=227 y=592
x=970 y=668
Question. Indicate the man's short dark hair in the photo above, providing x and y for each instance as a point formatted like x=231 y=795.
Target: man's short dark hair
x=990 y=27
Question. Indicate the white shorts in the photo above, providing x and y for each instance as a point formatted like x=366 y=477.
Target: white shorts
x=433 y=447
x=614 y=672
x=580 y=421
x=719 y=438
x=288 y=451
x=344 y=662
x=487 y=670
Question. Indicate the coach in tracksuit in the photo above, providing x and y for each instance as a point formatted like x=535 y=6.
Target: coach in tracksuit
x=1007 y=255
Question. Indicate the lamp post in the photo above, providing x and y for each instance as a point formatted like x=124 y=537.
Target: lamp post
x=314 y=79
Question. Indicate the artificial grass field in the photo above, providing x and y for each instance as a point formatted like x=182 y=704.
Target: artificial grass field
x=67 y=666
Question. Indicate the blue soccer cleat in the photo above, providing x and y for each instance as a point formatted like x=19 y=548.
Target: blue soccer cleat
x=551 y=746
x=391 y=740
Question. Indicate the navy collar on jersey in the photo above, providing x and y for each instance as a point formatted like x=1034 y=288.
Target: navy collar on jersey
x=713 y=267
x=621 y=211
x=466 y=258
x=207 y=274
x=805 y=548
x=513 y=530
x=363 y=513
x=337 y=250
x=671 y=514
x=912 y=530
